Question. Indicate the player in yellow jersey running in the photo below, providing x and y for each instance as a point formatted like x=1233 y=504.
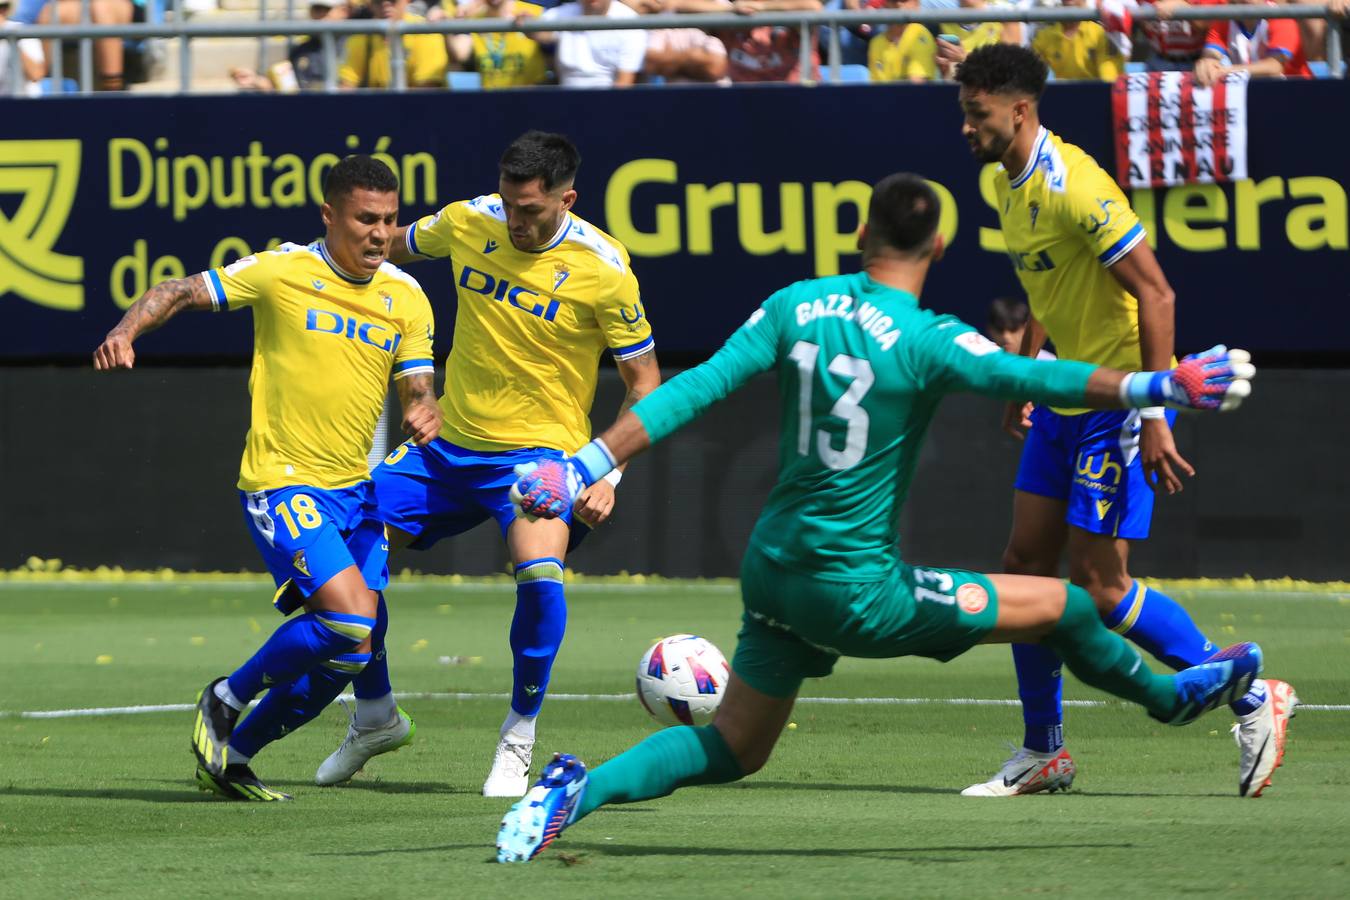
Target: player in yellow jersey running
x=332 y=321
x=1087 y=478
x=542 y=294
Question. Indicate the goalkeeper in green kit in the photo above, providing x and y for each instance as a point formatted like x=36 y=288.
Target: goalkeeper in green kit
x=861 y=369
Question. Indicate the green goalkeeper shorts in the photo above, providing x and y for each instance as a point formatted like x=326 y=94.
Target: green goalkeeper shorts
x=796 y=626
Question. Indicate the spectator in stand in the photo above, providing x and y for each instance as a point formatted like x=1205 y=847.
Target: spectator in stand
x=1174 y=45
x=1078 y=50
x=1314 y=31
x=367 y=61
x=764 y=52
x=972 y=35
x=502 y=59
x=31 y=63
x=685 y=56
x=903 y=52
x=108 y=52
x=594 y=58
x=855 y=40
x=304 y=68
x=1263 y=48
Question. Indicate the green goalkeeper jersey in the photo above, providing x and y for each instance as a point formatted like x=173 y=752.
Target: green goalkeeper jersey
x=861 y=368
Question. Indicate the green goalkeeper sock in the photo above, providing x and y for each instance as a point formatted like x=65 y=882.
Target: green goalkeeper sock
x=670 y=759
x=1103 y=659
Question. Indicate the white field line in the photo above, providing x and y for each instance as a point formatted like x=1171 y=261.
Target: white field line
x=265 y=585
x=607 y=698
x=394 y=589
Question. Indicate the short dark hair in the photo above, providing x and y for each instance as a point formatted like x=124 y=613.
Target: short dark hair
x=1003 y=69
x=358 y=171
x=903 y=214
x=551 y=158
x=1007 y=314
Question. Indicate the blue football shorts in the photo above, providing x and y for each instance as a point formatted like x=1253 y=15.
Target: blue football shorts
x=1091 y=461
x=441 y=490
x=306 y=535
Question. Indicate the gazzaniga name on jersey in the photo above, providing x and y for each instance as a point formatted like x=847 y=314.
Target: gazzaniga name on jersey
x=866 y=316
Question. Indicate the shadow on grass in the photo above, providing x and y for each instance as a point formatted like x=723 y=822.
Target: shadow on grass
x=187 y=793
x=380 y=787
x=952 y=791
x=438 y=848
x=908 y=854
x=821 y=786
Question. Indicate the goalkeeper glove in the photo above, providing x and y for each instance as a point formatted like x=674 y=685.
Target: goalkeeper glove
x=547 y=489
x=1218 y=379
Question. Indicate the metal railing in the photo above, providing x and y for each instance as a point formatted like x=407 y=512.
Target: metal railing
x=329 y=32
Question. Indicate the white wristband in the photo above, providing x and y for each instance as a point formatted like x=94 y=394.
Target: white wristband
x=614 y=476
x=1153 y=412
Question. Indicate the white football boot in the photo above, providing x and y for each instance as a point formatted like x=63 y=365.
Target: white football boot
x=362 y=744
x=1028 y=772
x=510 y=775
x=1260 y=738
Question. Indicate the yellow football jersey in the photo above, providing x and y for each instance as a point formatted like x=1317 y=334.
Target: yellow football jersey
x=1066 y=223
x=1084 y=54
x=911 y=58
x=324 y=346
x=509 y=59
x=530 y=326
x=366 y=65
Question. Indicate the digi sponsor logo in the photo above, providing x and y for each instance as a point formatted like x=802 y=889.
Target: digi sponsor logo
x=1031 y=262
x=325 y=321
x=503 y=291
x=45 y=175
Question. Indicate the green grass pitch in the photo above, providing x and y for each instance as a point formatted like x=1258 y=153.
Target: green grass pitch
x=860 y=799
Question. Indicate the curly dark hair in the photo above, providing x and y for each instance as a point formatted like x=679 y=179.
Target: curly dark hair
x=1003 y=69
x=551 y=158
x=358 y=171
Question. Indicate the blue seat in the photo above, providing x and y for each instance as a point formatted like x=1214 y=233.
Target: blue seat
x=1134 y=68
x=1319 y=68
x=465 y=81
x=68 y=86
x=851 y=74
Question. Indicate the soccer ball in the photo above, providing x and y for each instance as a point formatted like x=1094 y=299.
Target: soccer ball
x=681 y=680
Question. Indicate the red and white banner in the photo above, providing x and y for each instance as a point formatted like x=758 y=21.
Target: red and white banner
x=1171 y=131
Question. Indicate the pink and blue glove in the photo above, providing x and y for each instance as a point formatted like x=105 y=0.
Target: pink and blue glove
x=547 y=489
x=1218 y=379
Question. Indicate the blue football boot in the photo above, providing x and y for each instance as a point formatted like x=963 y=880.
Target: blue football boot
x=1217 y=681
x=542 y=814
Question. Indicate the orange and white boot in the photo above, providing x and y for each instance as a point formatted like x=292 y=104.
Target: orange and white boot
x=1028 y=772
x=1261 y=737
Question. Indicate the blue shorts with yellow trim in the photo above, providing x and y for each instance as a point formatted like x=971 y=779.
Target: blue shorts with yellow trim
x=306 y=535
x=441 y=490
x=1091 y=461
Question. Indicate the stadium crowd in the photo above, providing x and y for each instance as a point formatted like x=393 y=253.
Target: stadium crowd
x=1279 y=48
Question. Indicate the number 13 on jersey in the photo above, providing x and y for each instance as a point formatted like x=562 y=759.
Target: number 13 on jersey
x=848 y=409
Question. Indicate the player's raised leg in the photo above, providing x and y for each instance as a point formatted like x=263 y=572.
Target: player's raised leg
x=1065 y=618
x=736 y=744
x=537 y=549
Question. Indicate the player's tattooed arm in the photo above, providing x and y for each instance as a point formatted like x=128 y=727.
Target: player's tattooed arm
x=421 y=412
x=155 y=307
x=642 y=375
